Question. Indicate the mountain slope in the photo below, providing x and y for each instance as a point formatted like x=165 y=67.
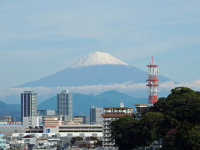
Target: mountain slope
x=117 y=97
x=10 y=110
x=93 y=75
x=96 y=69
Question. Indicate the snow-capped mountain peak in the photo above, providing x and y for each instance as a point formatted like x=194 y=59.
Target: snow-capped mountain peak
x=98 y=58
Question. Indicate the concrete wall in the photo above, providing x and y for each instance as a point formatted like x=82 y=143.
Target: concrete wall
x=8 y=130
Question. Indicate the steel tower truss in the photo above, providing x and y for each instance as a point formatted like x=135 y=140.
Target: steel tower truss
x=152 y=82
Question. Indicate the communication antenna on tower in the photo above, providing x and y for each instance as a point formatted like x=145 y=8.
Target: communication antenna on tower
x=152 y=82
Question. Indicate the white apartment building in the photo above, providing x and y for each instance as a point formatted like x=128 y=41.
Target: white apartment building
x=111 y=114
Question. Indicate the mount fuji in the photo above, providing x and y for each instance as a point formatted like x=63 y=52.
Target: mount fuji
x=97 y=68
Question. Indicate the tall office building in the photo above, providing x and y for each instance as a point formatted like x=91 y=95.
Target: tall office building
x=95 y=115
x=28 y=104
x=64 y=105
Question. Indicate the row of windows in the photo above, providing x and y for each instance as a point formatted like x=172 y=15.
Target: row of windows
x=80 y=128
x=80 y=131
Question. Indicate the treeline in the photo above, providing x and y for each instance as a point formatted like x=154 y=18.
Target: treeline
x=175 y=119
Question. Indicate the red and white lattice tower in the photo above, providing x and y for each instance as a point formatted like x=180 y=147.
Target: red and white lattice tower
x=152 y=82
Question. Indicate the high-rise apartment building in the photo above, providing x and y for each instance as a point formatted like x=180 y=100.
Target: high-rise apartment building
x=95 y=115
x=64 y=105
x=28 y=104
x=111 y=114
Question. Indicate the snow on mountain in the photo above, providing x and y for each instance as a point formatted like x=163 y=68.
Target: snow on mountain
x=98 y=58
x=97 y=68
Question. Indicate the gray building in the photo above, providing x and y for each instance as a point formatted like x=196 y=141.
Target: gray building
x=43 y=113
x=64 y=105
x=46 y=113
x=8 y=129
x=95 y=115
x=28 y=104
x=84 y=119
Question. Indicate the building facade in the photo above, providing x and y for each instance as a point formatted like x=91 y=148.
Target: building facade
x=30 y=122
x=84 y=119
x=64 y=105
x=95 y=115
x=140 y=108
x=2 y=142
x=55 y=127
x=42 y=113
x=28 y=104
x=51 y=124
x=111 y=114
x=7 y=119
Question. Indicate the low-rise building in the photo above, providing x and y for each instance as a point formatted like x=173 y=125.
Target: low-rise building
x=84 y=119
x=50 y=124
x=7 y=119
x=9 y=129
x=43 y=113
x=140 y=108
x=32 y=121
x=53 y=130
x=2 y=142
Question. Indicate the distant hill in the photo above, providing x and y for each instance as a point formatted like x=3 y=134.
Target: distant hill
x=82 y=103
x=10 y=110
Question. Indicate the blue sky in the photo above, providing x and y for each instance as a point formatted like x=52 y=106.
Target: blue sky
x=38 y=38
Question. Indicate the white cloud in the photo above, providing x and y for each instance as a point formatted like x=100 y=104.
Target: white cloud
x=195 y=85
x=125 y=87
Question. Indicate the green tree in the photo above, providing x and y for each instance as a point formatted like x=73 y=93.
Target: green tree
x=120 y=131
x=175 y=118
x=194 y=138
x=150 y=124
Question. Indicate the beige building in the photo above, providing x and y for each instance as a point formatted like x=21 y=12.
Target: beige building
x=51 y=124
